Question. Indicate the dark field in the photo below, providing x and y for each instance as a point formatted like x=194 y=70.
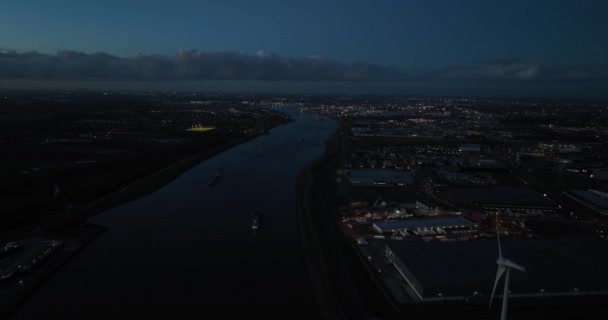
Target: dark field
x=61 y=152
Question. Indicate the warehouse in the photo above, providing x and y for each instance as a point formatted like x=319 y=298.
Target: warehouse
x=382 y=178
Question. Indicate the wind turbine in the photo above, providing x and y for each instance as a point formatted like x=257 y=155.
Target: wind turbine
x=503 y=265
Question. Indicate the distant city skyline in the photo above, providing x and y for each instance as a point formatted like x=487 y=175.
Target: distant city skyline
x=486 y=89
x=511 y=48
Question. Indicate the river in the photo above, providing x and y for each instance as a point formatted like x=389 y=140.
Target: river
x=187 y=251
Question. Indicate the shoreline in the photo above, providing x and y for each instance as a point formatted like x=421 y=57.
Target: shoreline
x=59 y=226
x=323 y=285
x=135 y=190
x=154 y=181
x=81 y=237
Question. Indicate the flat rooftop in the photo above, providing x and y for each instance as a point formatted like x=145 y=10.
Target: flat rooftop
x=470 y=147
x=503 y=196
x=463 y=267
x=379 y=177
x=447 y=222
x=381 y=174
x=592 y=198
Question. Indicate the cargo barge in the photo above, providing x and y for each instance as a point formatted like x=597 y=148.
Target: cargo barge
x=255 y=220
x=216 y=178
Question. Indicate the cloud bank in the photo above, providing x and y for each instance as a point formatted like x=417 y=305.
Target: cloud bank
x=184 y=65
x=514 y=69
x=232 y=65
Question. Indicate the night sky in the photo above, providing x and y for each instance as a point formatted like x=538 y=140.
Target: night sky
x=443 y=47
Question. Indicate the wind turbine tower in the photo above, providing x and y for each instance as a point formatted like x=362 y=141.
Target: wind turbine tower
x=504 y=265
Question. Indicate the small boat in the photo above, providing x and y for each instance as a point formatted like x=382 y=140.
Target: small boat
x=213 y=181
x=255 y=220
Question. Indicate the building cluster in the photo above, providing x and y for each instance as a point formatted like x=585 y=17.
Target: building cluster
x=156 y=118
x=20 y=258
x=424 y=185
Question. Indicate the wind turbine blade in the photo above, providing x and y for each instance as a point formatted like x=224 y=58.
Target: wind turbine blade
x=498 y=239
x=499 y=273
x=512 y=265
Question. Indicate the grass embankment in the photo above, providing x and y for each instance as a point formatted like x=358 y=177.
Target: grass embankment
x=315 y=203
x=335 y=266
x=312 y=244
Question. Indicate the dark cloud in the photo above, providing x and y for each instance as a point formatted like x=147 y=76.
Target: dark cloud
x=184 y=65
x=233 y=65
x=496 y=69
x=507 y=68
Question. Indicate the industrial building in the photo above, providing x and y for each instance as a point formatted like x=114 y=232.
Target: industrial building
x=458 y=270
x=518 y=200
x=592 y=199
x=427 y=206
x=380 y=178
x=469 y=148
x=443 y=223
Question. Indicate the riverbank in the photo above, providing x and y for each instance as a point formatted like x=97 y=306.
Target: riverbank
x=59 y=156
x=204 y=250
x=327 y=253
x=15 y=291
x=148 y=184
x=142 y=187
x=325 y=292
x=70 y=225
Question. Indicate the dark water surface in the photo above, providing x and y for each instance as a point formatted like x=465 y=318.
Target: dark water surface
x=187 y=251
